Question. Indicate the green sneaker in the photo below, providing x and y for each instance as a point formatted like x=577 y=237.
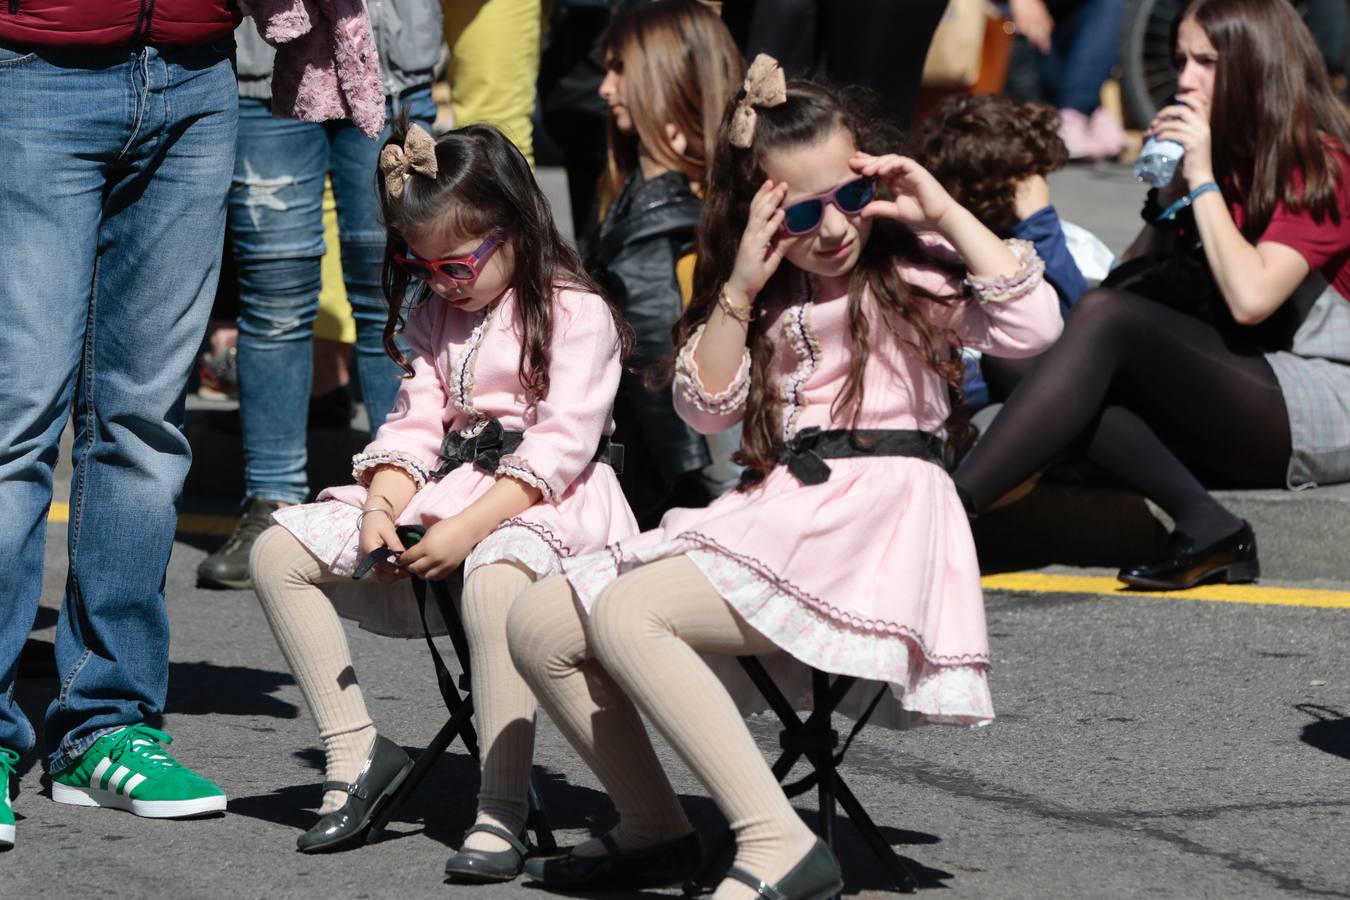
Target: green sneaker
x=129 y=769
x=8 y=760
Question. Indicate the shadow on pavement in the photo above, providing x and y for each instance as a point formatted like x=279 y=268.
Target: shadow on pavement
x=207 y=689
x=196 y=689
x=1330 y=733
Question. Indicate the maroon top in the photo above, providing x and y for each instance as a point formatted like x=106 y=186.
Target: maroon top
x=1325 y=244
x=115 y=23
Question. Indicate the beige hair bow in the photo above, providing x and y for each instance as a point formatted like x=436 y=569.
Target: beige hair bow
x=418 y=154
x=765 y=85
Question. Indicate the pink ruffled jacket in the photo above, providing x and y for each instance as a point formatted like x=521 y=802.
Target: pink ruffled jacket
x=328 y=66
x=465 y=371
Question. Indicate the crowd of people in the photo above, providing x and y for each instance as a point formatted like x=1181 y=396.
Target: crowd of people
x=630 y=459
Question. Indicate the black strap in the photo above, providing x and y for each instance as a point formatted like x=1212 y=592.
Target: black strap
x=808 y=781
x=805 y=453
x=443 y=680
x=486 y=449
x=761 y=887
x=497 y=831
x=354 y=789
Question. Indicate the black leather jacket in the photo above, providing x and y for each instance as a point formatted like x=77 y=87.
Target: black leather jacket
x=649 y=227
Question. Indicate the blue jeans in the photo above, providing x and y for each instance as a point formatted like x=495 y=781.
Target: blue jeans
x=276 y=234
x=114 y=167
x=1083 y=50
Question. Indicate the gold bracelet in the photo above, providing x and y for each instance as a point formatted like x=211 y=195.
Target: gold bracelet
x=365 y=512
x=731 y=309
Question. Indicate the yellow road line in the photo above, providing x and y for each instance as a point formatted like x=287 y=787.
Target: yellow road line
x=1044 y=583
x=1017 y=582
x=188 y=523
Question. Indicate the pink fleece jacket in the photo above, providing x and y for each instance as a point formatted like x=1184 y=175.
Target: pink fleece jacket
x=328 y=66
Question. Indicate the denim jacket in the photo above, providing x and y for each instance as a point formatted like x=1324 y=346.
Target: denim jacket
x=409 y=34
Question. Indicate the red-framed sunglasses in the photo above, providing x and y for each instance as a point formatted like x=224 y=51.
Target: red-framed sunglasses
x=805 y=215
x=459 y=269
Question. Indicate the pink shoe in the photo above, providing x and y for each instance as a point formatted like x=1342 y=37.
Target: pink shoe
x=1073 y=130
x=1106 y=135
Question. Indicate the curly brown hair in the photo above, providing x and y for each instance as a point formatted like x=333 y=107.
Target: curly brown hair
x=810 y=114
x=981 y=147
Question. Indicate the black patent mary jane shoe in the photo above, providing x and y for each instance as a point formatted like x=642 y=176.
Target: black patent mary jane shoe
x=1231 y=559
x=661 y=864
x=815 y=877
x=384 y=771
x=469 y=866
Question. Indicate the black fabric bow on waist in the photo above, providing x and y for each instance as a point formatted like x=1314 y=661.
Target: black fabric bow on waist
x=805 y=453
x=484 y=449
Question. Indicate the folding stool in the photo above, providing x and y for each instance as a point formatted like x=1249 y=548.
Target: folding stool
x=460 y=723
x=814 y=739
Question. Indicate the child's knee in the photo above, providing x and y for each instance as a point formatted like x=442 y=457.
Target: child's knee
x=532 y=624
x=620 y=620
x=274 y=556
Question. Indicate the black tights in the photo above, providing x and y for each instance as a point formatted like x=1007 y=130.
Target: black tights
x=1148 y=391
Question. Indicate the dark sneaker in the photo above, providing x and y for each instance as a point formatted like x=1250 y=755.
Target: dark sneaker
x=228 y=567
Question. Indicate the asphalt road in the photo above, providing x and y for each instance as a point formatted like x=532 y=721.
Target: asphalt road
x=1143 y=748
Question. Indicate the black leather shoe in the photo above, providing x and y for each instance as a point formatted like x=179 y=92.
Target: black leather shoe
x=815 y=877
x=469 y=866
x=1231 y=559
x=383 y=772
x=660 y=864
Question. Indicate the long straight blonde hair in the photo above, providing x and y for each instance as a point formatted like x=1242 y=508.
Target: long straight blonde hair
x=680 y=66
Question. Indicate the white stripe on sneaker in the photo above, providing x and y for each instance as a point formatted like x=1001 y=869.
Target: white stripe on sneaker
x=132 y=784
x=118 y=776
x=95 y=780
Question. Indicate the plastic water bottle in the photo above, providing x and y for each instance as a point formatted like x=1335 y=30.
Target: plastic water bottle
x=1158 y=162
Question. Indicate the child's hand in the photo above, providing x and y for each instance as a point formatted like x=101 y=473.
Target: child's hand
x=761 y=249
x=440 y=551
x=1030 y=195
x=377 y=530
x=919 y=199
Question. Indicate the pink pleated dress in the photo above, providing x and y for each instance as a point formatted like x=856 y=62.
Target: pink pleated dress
x=465 y=373
x=873 y=572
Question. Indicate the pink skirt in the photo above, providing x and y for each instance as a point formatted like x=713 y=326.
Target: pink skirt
x=590 y=515
x=871 y=574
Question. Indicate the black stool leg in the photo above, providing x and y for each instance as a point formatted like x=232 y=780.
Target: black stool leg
x=537 y=820
x=822 y=760
x=901 y=876
x=452 y=728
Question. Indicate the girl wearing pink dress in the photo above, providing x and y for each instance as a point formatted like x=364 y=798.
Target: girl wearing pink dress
x=498 y=445
x=834 y=290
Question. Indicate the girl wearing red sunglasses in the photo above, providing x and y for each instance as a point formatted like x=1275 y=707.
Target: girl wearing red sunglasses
x=498 y=446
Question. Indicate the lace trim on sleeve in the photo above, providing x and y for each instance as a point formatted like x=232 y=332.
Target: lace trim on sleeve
x=364 y=463
x=1006 y=288
x=689 y=384
x=519 y=468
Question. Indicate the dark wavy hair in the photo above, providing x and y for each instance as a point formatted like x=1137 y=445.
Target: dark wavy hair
x=981 y=147
x=811 y=114
x=483 y=183
x=1274 y=113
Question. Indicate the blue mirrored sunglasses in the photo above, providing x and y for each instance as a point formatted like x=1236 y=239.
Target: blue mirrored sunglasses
x=804 y=216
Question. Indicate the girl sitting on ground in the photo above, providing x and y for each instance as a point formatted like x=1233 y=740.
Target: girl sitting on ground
x=671 y=66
